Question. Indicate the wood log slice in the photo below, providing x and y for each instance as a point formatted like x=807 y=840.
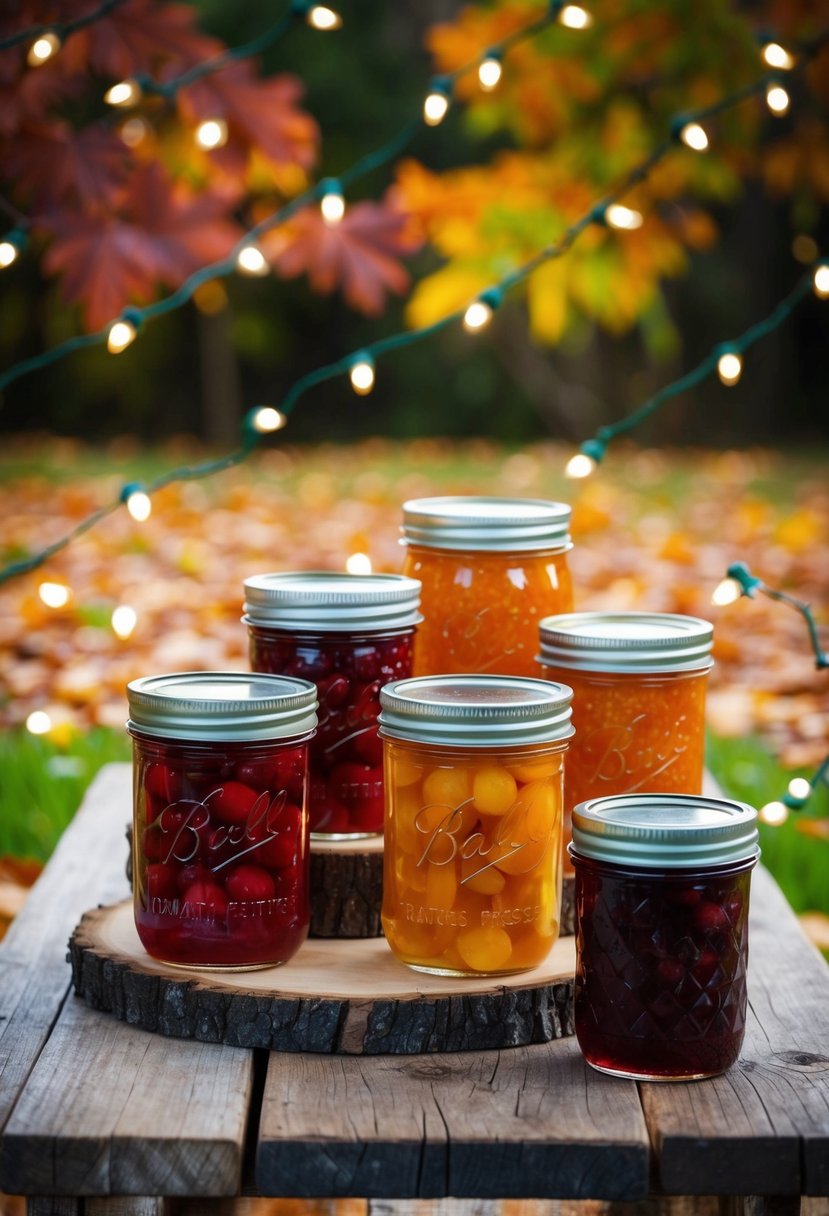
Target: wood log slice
x=349 y=997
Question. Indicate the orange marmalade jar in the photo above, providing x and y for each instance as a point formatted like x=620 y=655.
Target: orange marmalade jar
x=472 y=861
x=491 y=568
x=639 y=681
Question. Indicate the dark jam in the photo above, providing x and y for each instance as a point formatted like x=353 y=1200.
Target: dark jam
x=661 y=979
x=346 y=754
x=221 y=851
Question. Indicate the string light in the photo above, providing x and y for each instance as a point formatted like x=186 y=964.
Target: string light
x=121 y=335
x=777 y=99
x=332 y=203
x=774 y=813
x=361 y=374
x=38 y=722
x=726 y=592
x=10 y=247
x=251 y=260
x=211 y=134
x=266 y=420
x=436 y=105
x=626 y=218
x=125 y=93
x=490 y=72
x=586 y=460
x=749 y=585
x=797 y=796
x=730 y=367
x=54 y=595
x=358 y=563
x=44 y=48
x=820 y=280
x=574 y=17
x=800 y=789
x=139 y=505
x=776 y=56
x=124 y=619
x=320 y=16
x=694 y=136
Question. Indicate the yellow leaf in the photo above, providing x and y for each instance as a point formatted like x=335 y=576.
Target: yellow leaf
x=547 y=301
x=442 y=293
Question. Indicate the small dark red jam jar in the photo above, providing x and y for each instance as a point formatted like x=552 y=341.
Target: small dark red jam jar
x=350 y=634
x=221 y=851
x=662 y=887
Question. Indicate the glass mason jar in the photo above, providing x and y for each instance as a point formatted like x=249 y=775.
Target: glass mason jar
x=639 y=681
x=491 y=568
x=662 y=892
x=220 y=826
x=349 y=634
x=472 y=864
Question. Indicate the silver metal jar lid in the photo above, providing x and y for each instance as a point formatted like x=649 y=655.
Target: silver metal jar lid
x=222 y=706
x=329 y=601
x=626 y=641
x=476 y=711
x=665 y=831
x=488 y=524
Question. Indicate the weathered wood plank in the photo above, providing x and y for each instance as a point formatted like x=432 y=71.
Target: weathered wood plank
x=763 y=1127
x=112 y=1110
x=528 y=1122
x=87 y=868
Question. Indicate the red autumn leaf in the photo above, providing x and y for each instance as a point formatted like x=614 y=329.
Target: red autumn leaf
x=137 y=36
x=28 y=95
x=56 y=163
x=358 y=255
x=162 y=234
x=263 y=114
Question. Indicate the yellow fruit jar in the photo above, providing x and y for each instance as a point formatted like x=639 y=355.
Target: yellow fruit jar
x=491 y=568
x=639 y=681
x=474 y=777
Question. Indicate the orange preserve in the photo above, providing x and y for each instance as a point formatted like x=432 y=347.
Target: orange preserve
x=472 y=860
x=491 y=568
x=638 y=682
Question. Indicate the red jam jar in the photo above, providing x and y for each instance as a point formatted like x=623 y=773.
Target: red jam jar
x=662 y=892
x=639 y=682
x=221 y=854
x=350 y=634
x=491 y=568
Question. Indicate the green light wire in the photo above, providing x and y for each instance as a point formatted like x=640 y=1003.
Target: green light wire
x=750 y=586
x=62 y=28
x=796 y=802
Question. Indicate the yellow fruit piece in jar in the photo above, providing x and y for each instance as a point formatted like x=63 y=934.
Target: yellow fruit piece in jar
x=535 y=770
x=441 y=886
x=478 y=875
x=485 y=949
x=446 y=787
x=493 y=790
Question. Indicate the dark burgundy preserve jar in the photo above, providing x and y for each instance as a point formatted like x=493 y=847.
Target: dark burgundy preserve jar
x=662 y=892
x=350 y=634
x=221 y=843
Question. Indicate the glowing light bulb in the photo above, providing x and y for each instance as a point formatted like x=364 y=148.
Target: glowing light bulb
x=726 y=592
x=54 y=595
x=774 y=813
x=43 y=48
x=477 y=316
x=776 y=56
x=139 y=506
x=125 y=93
x=251 y=260
x=212 y=133
x=267 y=419
x=124 y=619
x=435 y=108
x=358 y=563
x=777 y=99
x=820 y=282
x=8 y=253
x=121 y=335
x=38 y=722
x=800 y=788
x=694 y=136
x=580 y=465
x=321 y=17
x=134 y=131
x=489 y=73
x=730 y=367
x=626 y=218
x=332 y=207
x=362 y=376
x=575 y=17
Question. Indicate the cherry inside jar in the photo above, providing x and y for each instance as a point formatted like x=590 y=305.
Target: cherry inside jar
x=662 y=949
x=221 y=838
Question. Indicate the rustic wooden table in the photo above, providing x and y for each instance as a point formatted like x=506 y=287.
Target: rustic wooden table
x=92 y=1109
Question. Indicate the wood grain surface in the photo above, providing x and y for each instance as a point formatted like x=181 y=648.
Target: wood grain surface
x=333 y=996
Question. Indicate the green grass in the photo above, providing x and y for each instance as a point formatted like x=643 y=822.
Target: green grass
x=42 y=785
